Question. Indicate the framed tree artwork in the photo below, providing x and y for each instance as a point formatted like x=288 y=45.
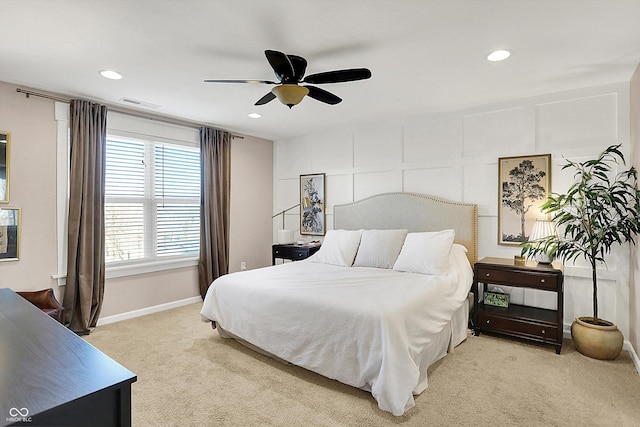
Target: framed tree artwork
x=312 y=204
x=524 y=183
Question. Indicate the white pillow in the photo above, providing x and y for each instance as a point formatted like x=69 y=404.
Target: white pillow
x=426 y=253
x=379 y=248
x=339 y=247
x=460 y=247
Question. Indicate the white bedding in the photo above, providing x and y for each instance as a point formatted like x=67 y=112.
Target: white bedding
x=371 y=328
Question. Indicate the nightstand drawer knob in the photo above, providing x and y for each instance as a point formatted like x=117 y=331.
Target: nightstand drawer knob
x=488 y=274
x=543 y=331
x=541 y=280
x=488 y=321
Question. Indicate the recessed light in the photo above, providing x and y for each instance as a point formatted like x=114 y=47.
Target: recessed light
x=112 y=75
x=498 y=55
x=255 y=115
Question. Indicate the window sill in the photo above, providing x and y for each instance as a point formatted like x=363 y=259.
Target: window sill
x=138 y=268
x=143 y=267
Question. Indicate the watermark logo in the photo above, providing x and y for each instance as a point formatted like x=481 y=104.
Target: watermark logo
x=19 y=415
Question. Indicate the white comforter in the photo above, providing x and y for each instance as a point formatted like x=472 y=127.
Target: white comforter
x=367 y=327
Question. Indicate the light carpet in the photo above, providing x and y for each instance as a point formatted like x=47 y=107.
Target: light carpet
x=189 y=376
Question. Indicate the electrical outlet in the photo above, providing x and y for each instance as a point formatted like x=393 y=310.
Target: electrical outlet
x=243 y=265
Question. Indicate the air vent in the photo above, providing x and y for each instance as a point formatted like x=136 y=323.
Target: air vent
x=140 y=103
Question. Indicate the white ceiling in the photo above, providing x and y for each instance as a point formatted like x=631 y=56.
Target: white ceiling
x=426 y=56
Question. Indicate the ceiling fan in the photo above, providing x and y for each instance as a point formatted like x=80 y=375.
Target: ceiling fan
x=289 y=70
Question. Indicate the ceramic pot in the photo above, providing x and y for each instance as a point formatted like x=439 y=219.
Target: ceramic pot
x=599 y=340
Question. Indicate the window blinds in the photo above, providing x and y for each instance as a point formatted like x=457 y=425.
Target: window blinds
x=152 y=196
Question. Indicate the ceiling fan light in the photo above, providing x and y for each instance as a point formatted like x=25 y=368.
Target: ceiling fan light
x=290 y=94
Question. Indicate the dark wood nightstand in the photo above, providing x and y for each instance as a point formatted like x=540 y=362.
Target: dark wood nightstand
x=531 y=323
x=293 y=252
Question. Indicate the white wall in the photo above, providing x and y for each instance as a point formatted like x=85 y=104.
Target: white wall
x=454 y=156
x=33 y=188
x=634 y=291
x=251 y=203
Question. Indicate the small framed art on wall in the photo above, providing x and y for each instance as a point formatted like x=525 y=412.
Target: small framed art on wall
x=5 y=144
x=9 y=234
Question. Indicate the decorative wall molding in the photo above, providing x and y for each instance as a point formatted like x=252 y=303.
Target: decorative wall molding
x=454 y=155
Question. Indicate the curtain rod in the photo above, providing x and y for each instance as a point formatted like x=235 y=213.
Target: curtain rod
x=123 y=111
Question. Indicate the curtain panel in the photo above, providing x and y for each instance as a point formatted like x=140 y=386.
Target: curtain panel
x=215 y=190
x=84 y=291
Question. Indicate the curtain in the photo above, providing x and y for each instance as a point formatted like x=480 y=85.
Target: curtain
x=215 y=190
x=84 y=291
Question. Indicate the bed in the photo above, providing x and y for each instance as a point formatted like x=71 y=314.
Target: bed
x=385 y=297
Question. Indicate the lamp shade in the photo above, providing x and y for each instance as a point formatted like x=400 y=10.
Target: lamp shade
x=290 y=94
x=285 y=236
x=542 y=229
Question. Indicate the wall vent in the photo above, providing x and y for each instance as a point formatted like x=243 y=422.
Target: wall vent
x=138 y=103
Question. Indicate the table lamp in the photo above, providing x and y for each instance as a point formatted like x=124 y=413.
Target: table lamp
x=285 y=236
x=542 y=229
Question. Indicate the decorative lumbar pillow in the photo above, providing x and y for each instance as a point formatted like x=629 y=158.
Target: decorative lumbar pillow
x=339 y=247
x=379 y=248
x=426 y=253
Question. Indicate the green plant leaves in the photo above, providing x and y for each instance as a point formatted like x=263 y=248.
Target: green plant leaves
x=596 y=212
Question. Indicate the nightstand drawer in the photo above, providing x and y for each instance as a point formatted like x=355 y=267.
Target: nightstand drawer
x=517 y=327
x=282 y=252
x=291 y=253
x=522 y=278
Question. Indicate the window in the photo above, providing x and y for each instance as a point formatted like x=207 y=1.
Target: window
x=152 y=216
x=152 y=201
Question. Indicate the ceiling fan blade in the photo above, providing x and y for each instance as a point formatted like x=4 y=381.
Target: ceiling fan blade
x=242 y=81
x=339 y=76
x=299 y=66
x=267 y=98
x=323 y=96
x=281 y=64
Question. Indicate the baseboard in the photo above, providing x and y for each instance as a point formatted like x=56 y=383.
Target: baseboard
x=147 y=310
x=566 y=331
x=633 y=355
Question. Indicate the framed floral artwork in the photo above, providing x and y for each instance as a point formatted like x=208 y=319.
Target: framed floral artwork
x=312 y=204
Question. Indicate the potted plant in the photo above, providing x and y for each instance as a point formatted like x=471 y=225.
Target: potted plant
x=599 y=210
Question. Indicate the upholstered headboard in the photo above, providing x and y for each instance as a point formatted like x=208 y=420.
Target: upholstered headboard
x=414 y=212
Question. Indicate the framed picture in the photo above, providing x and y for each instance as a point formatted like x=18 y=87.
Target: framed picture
x=496 y=299
x=9 y=234
x=5 y=143
x=312 y=204
x=524 y=183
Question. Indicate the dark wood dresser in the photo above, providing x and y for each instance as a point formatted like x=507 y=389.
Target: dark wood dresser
x=520 y=321
x=51 y=377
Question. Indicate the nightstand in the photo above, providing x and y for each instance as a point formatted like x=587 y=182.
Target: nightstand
x=534 y=324
x=293 y=251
